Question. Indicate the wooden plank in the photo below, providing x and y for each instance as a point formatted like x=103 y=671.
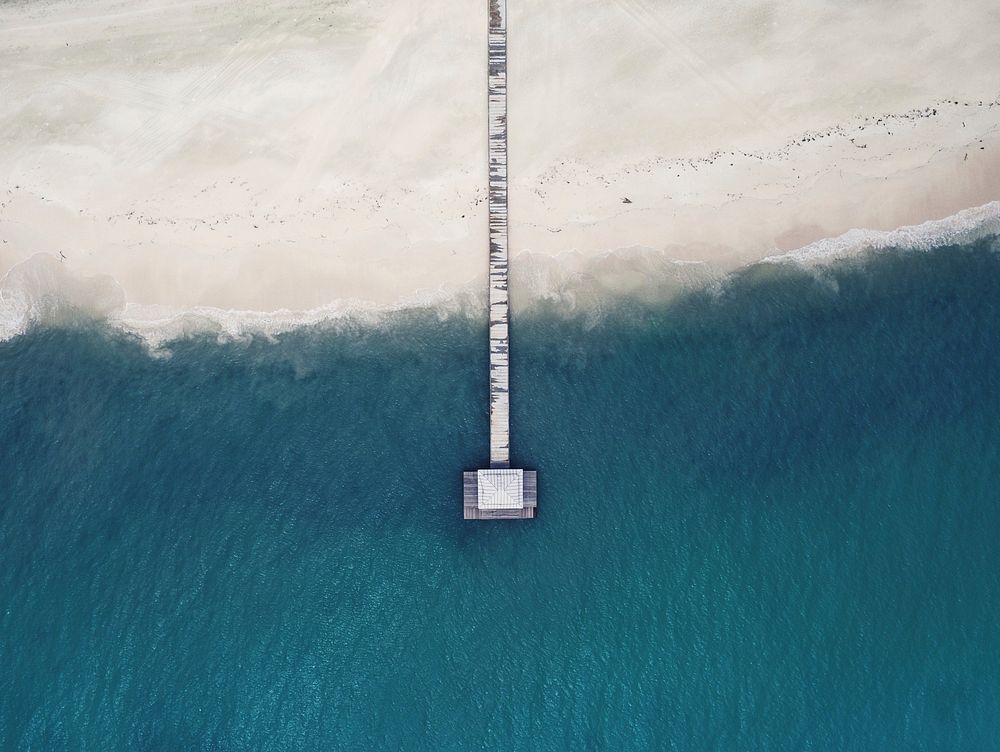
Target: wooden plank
x=470 y=495
x=493 y=514
x=530 y=490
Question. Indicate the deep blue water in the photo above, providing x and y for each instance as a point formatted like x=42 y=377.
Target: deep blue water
x=769 y=520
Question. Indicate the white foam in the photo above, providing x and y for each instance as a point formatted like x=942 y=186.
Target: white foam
x=42 y=290
x=967 y=226
x=158 y=325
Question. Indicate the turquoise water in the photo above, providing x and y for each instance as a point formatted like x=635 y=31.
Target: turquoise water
x=769 y=519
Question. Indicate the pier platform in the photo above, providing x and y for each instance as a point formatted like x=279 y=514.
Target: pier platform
x=500 y=494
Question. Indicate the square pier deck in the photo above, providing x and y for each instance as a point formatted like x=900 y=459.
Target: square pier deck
x=500 y=494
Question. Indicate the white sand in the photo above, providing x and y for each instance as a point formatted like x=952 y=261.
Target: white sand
x=256 y=157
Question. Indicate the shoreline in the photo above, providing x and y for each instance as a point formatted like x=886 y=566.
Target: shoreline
x=42 y=291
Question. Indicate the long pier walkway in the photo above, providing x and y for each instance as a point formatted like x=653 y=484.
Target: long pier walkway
x=499 y=308
x=499 y=492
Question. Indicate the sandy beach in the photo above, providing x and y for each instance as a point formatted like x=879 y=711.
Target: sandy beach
x=159 y=158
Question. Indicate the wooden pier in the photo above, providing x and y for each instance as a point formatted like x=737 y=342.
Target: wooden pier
x=499 y=493
x=499 y=308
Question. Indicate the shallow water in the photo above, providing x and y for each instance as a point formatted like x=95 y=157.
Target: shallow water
x=768 y=520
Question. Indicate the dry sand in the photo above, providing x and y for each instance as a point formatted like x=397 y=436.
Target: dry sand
x=261 y=156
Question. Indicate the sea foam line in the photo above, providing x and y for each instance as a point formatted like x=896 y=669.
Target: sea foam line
x=967 y=226
x=158 y=325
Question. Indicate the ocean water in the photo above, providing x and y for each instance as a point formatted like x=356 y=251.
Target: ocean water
x=769 y=520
